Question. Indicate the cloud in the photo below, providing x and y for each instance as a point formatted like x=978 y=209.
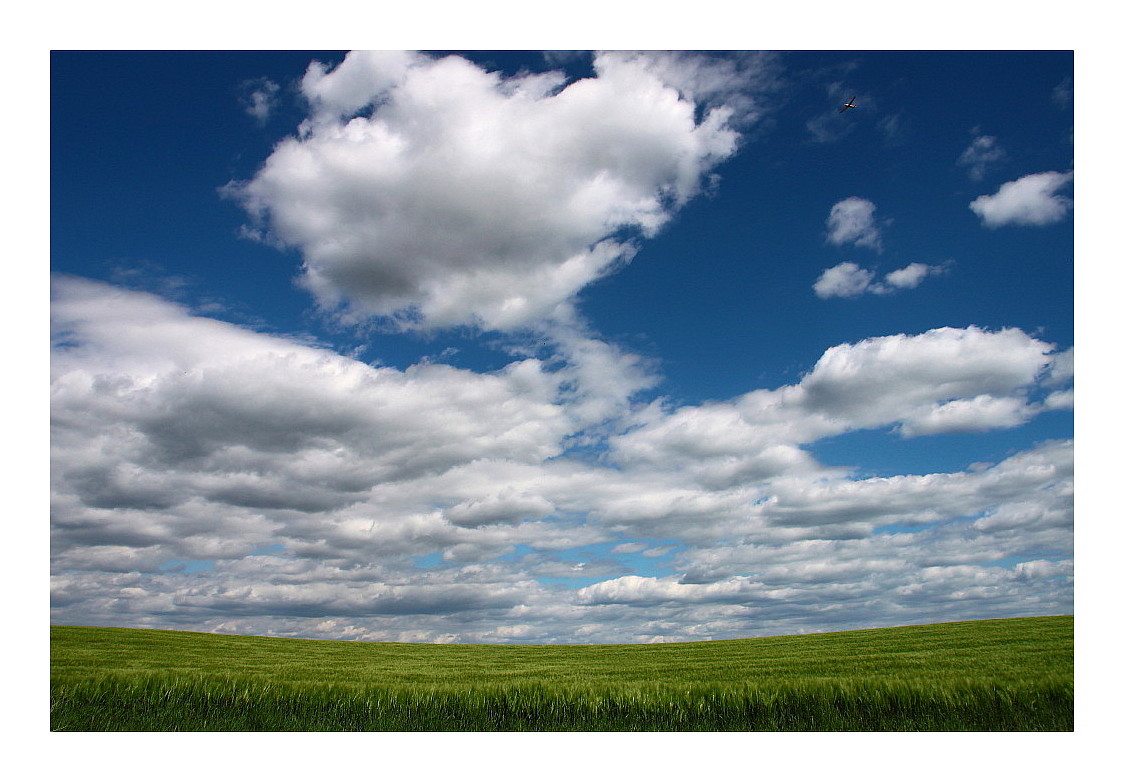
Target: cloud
x=911 y=276
x=599 y=379
x=977 y=414
x=845 y=280
x=209 y=477
x=898 y=378
x=895 y=130
x=1061 y=368
x=1030 y=200
x=852 y=221
x=944 y=380
x=1025 y=500
x=637 y=590
x=981 y=155
x=259 y=98
x=849 y=280
x=928 y=543
x=162 y=416
x=432 y=192
x=504 y=506
x=1062 y=94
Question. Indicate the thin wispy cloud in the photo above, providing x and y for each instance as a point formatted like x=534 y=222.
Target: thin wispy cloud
x=260 y=98
x=1062 y=94
x=981 y=156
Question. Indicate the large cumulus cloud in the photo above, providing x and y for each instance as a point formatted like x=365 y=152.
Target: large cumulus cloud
x=431 y=191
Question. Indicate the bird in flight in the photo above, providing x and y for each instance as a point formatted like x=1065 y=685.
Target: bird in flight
x=849 y=104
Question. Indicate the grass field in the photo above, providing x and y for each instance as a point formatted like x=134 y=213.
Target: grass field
x=1002 y=674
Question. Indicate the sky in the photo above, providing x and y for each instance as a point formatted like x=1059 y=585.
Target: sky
x=560 y=347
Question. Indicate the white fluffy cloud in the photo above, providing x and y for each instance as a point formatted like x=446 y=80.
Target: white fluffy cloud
x=431 y=190
x=637 y=590
x=945 y=380
x=165 y=423
x=208 y=477
x=911 y=276
x=845 y=280
x=848 y=280
x=900 y=378
x=852 y=221
x=1030 y=200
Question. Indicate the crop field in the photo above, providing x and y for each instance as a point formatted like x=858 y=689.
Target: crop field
x=988 y=675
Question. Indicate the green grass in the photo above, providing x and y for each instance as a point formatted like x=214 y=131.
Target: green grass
x=1005 y=674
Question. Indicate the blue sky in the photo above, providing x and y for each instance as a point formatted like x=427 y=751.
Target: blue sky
x=561 y=347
